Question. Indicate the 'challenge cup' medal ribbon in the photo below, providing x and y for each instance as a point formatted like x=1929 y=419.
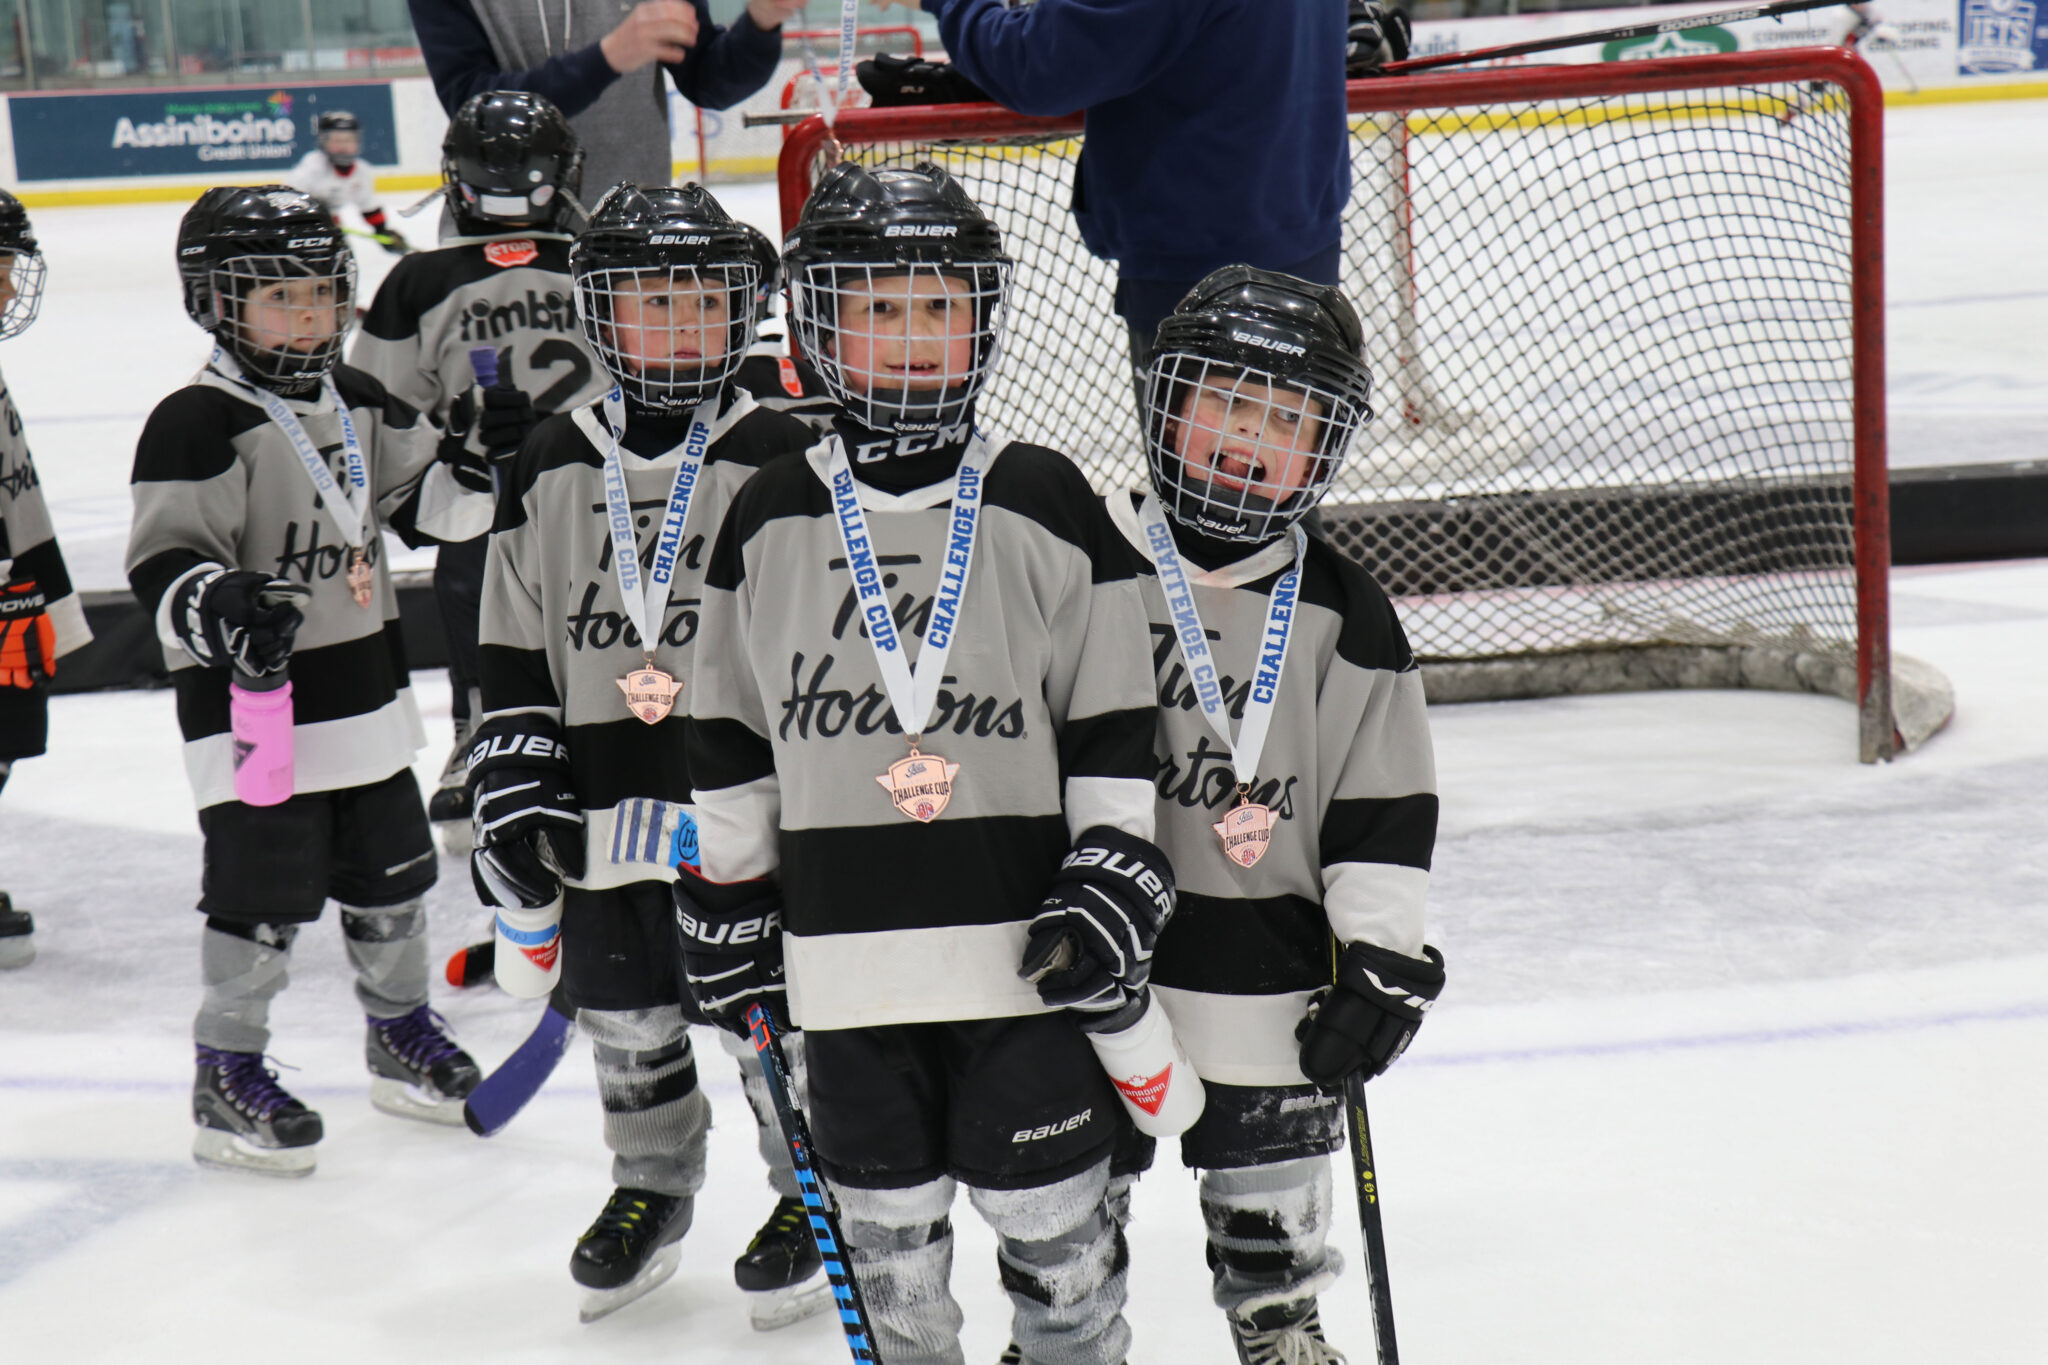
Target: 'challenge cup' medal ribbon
x=920 y=785
x=650 y=691
x=1247 y=829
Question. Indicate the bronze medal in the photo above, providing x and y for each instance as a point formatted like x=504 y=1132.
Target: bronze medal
x=361 y=577
x=920 y=785
x=1246 y=832
x=650 y=692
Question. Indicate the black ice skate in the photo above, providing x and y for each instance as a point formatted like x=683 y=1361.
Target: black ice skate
x=1282 y=1334
x=416 y=1070
x=247 y=1122
x=630 y=1249
x=449 y=807
x=781 y=1271
x=17 y=935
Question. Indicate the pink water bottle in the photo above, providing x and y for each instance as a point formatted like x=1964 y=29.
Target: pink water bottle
x=260 y=712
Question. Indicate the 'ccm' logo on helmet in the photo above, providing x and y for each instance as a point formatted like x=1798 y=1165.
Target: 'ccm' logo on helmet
x=921 y=230
x=295 y=243
x=1285 y=348
x=679 y=239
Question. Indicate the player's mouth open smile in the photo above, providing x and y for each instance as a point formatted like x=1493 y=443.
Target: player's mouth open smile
x=1237 y=469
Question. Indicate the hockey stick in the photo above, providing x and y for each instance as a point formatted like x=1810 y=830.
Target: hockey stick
x=500 y=1096
x=1367 y=1180
x=1605 y=35
x=853 y=1311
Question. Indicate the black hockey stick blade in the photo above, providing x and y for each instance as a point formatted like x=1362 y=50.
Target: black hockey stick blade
x=824 y=1219
x=500 y=1096
x=1366 y=1178
x=1604 y=35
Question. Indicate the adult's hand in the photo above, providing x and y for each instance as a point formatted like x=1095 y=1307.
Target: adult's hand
x=656 y=31
x=773 y=14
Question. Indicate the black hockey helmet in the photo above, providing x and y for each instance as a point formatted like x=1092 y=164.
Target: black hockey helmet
x=511 y=160
x=768 y=259
x=672 y=243
x=238 y=240
x=876 y=238
x=21 y=268
x=1257 y=385
x=336 y=121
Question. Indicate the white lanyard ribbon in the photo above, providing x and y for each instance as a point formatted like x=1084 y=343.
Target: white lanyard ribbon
x=349 y=512
x=1203 y=676
x=911 y=695
x=647 y=604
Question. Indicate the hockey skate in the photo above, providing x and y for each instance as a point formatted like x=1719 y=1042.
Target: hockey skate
x=630 y=1250
x=416 y=1070
x=1282 y=1334
x=247 y=1121
x=781 y=1271
x=448 y=809
x=17 y=935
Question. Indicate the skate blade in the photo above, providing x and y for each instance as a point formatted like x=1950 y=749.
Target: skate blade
x=225 y=1151
x=18 y=951
x=400 y=1100
x=602 y=1303
x=771 y=1310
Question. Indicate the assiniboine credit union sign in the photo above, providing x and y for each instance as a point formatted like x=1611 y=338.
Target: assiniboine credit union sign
x=247 y=133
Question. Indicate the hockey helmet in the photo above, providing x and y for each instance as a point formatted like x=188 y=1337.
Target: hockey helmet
x=665 y=270
x=336 y=121
x=768 y=259
x=510 y=160
x=243 y=246
x=889 y=270
x=21 y=268
x=1258 y=383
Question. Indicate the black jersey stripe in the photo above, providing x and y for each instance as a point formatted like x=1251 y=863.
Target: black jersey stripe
x=1113 y=744
x=1396 y=829
x=44 y=563
x=1258 y=945
x=333 y=682
x=153 y=576
x=618 y=760
x=849 y=879
x=515 y=679
x=725 y=753
x=190 y=435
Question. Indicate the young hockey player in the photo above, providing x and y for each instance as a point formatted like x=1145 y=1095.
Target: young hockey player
x=1296 y=786
x=335 y=174
x=262 y=490
x=40 y=619
x=511 y=169
x=894 y=827
x=581 y=786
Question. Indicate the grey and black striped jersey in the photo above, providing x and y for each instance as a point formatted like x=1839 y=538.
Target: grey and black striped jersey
x=555 y=638
x=1350 y=774
x=512 y=293
x=217 y=483
x=28 y=543
x=1046 y=706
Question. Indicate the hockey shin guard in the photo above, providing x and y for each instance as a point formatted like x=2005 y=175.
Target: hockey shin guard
x=656 y=1120
x=1269 y=1229
x=388 y=948
x=244 y=967
x=901 y=1245
x=1066 y=1267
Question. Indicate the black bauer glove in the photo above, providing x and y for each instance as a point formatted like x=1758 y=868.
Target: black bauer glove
x=525 y=820
x=892 y=79
x=732 y=956
x=459 y=449
x=1377 y=34
x=238 y=618
x=1365 y=1021
x=505 y=422
x=1090 y=945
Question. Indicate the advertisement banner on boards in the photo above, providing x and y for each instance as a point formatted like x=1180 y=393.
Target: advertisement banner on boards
x=250 y=133
x=2001 y=37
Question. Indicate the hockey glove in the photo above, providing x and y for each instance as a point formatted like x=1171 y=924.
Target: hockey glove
x=1366 y=1020
x=461 y=449
x=1378 y=34
x=239 y=619
x=730 y=937
x=28 y=639
x=1090 y=945
x=525 y=822
x=504 y=423
x=892 y=79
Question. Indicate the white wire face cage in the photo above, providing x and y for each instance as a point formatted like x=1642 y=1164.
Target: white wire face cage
x=1241 y=453
x=23 y=287
x=670 y=335
x=902 y=347
x=286 y=319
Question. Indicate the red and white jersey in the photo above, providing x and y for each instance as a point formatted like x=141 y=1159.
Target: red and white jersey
x=355 y=187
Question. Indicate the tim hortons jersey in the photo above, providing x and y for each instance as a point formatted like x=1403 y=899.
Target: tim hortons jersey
x=216 y=482
x=1349 y=773
x=28 y=544
x=556 y=638
x=511 y=293
x=1046 y=706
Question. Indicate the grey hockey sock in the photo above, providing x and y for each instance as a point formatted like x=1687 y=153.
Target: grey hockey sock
x=655 y=1118
x=388 y=948
x=1064 y=1263
x=901 y=1245
x=1269 y=1229
x=767 y=1128
x=243 y=966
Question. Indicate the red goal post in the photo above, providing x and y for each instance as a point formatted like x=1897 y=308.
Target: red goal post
x=1626 y=326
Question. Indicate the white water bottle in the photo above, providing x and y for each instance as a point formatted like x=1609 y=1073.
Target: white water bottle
x=1152 y=1073
x=528 y=960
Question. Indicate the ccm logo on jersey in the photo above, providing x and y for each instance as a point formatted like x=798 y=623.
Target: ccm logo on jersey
x=505 y=255
x=1147 y=880
x=921 y=230
x=1046 y=1130
x=1284 y=347
x=706 y=934
x=524 y=746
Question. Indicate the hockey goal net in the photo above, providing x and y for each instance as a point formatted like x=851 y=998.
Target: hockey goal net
x=1625 y=323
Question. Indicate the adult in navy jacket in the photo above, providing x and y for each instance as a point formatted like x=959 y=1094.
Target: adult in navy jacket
x=1216 y=129
x=601 y=69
